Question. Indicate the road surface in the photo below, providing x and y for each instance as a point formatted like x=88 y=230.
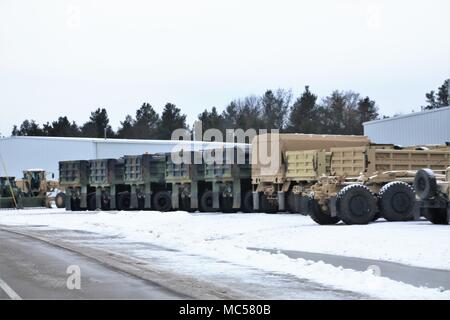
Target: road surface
x=31 y=269
x=34 y=265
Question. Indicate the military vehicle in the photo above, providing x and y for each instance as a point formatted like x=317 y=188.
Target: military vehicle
x=228 y=181
x=74 y=177
x=105 y=182
x=271 y=185
x=10 y=195
x=144 y=179
x=371 y=181
x=36 y=189
x=433 y=190
x=185 y=175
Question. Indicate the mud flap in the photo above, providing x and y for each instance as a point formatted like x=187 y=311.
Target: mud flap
x=236 y=194
x=255 y=200
x=301 y=204
x=175 y=196
x=194 y=195
x=98 y=198
x=416 y=211
x=83 y=201
x=281 y=201
x=148 y=196
x=133 y=198
x=215 y=193
x=448 y=212
x=333 y=206
x=112 y=198
x=68 y=201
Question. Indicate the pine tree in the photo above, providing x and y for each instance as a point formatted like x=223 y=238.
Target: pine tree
x=303 y=115
x=275 y=108
x=147 y=122
x=171 y=119
x=95 y=127
x=440 y=99
x=212 y=120
x=126 y=129
x=367 y=111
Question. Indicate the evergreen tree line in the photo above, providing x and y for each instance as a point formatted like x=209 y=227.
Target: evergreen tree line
x=338 y=113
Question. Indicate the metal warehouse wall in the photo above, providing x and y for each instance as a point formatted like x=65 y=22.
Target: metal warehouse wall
x=427 y=127
x=20 y=153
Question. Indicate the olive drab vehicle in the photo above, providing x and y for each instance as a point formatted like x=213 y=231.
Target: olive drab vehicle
x=433 y=190
x=144 y=179
x=372 y=181
x=74 y=177
x=185 y=174
x=105 y=182
x=273 y=184
x=227 y=175
x=10 y=194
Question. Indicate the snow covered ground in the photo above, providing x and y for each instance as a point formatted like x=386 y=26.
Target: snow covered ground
x=228 y=237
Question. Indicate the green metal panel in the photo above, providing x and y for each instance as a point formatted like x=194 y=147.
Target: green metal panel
x=74 y=172
x=184 y=172
x=144 y=168
x=102 y=172
x=226 y=170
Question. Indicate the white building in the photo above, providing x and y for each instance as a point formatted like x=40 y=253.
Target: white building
x=22 y=152
x=426 y=127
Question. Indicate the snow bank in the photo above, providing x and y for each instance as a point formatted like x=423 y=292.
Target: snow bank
x=227 y=237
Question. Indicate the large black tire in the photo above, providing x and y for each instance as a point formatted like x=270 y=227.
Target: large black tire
x=247 y=205
x=206 y=202
x=267 y=206
x=123 y=201
x=397 y=201
x=60 y=200
x=162 y=201
x=91 y=203
x=436 y=215
x=425 y=184
x=318 y=215
x=355 y=204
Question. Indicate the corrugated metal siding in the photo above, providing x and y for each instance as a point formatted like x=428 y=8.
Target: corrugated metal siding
x=428 y=127
x=20 y=153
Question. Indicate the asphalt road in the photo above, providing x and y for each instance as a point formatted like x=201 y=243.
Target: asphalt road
x=32 y=269
x=417 y=276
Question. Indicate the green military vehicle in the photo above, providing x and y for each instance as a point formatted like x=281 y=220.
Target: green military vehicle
x=105 y=182
x=228 y=181
x=433 y=190
x=144 y=180
x=74 y=178
x=185 y=175
x=10 y=194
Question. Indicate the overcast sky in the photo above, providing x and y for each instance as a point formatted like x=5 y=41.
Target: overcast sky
x=68 y=57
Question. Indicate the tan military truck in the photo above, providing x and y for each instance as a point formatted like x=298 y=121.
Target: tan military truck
x=272 y=184
x=36 y=188
x=371 y=181
x=433 y=190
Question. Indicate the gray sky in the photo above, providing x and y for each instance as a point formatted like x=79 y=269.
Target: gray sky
x=68 y=57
